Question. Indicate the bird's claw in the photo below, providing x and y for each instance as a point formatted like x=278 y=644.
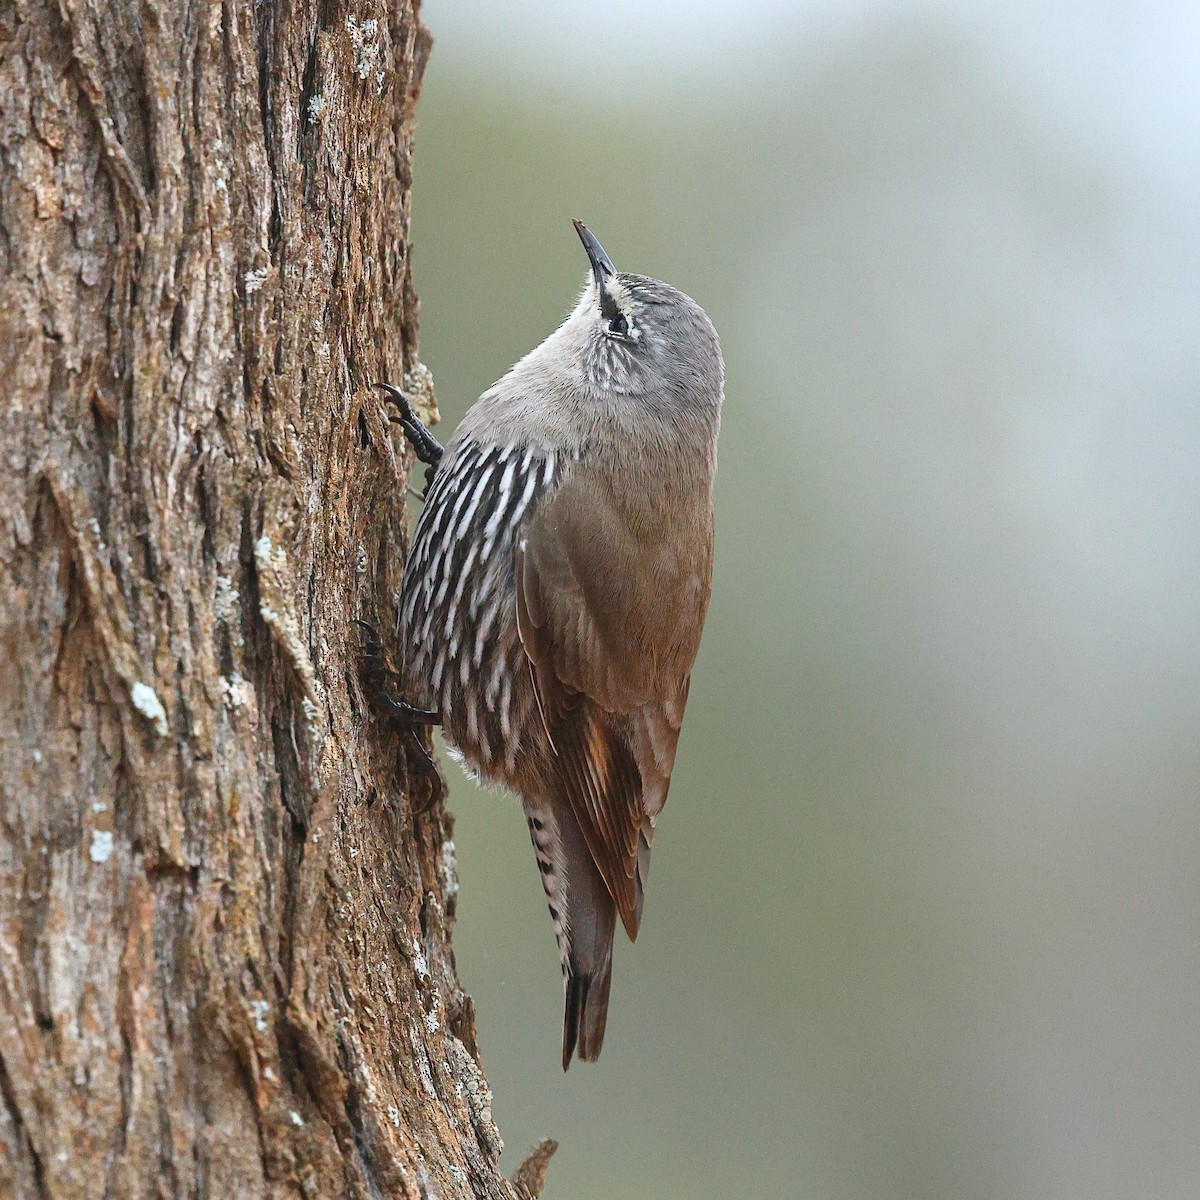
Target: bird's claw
x=426 y=447
x=380 y=679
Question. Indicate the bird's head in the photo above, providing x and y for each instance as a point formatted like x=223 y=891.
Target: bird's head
x=637 y=336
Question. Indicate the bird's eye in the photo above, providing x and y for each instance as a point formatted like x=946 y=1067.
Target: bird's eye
x=619 y=325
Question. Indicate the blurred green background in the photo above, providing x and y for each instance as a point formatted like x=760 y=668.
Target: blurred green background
x=924 y=919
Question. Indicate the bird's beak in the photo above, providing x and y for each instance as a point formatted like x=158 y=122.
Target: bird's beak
x=602 y=266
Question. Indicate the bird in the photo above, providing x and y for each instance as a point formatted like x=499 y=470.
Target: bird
x=555 y=590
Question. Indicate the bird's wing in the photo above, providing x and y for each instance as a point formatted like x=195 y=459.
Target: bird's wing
x=609 y=610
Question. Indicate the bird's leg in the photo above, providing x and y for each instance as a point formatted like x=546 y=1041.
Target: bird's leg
x=426 y=447
x=407 y=714
x=410 y=718
x=381 y=678
x=425 y=761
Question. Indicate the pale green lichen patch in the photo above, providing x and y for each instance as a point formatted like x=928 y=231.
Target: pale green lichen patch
x=236 y=692
x=448 y=871
x=226 y=600
x=473 y=1088
x=145 y=700
x=418 y=387
x=101 y=848
x=363 y=37
x=259 y=1010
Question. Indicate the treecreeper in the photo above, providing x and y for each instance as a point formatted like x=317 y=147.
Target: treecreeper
x=555 y=592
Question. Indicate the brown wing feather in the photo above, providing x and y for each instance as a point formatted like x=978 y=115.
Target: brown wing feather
x=610 y=659
x=604 y=787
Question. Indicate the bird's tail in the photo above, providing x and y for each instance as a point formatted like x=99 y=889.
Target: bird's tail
x=584 y=917
x=586 y=1011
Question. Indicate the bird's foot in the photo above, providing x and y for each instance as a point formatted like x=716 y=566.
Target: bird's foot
x=426 y=447
x=381 y=682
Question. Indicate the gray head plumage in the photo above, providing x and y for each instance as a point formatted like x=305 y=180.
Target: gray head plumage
x=631 y=346
x=633 y=334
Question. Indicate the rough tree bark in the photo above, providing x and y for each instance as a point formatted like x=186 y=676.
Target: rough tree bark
x=226 y=895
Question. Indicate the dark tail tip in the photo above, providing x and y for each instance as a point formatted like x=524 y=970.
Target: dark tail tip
x=585 y=1013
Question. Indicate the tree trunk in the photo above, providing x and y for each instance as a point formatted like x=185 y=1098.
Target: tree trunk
x=226 y=891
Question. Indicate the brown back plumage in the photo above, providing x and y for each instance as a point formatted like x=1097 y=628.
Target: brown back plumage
x=611 y=657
